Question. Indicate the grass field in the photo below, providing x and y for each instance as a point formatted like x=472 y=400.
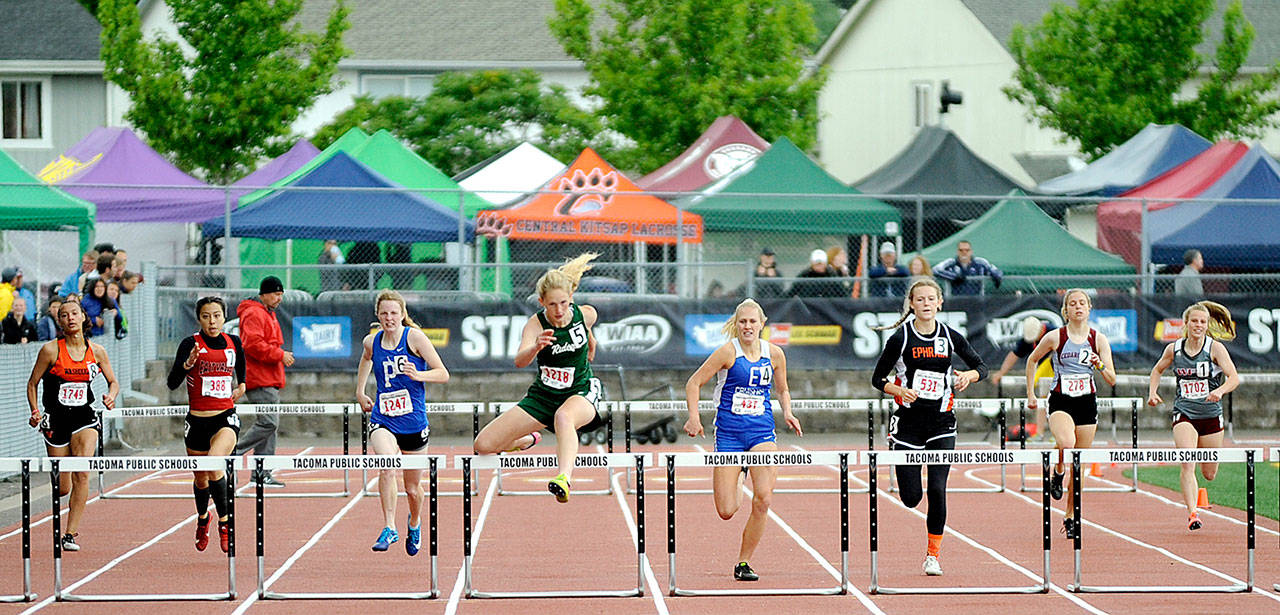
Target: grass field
x=1225 y=490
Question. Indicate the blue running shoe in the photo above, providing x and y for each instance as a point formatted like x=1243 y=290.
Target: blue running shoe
x=413 y=541
x=385 y=539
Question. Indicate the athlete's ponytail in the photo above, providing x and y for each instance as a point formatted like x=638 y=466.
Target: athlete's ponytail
x=906 y=302
x=1221 y=327
x=389 y=294
x=730 y=328
x=566 y=276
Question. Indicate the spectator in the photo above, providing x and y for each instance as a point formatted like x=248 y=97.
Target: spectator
x=17 y=328
x=959 y=269
x=716 y=290
x=102 y=269
x=401 y=253
x=121 y=322
x=1188 y=282
x=74 y=282
x=330 y=254
x=7 y=291
x=117 y=266
x=98 y=308
x=265 y=360
x=818 y=268
x=124 y=259
x=888 y=278
x=21 y=291
x=47 y=327
x=363 y=253
x=130 y=281
x=838 y=264
x=918 y=267
x=767 y=267
x=105 y=248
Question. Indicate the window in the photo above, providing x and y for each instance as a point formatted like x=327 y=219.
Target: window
x=21 y=110
x=923 y=92
x=379 y=86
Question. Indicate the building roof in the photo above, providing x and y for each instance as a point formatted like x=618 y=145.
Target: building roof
x=47 y=30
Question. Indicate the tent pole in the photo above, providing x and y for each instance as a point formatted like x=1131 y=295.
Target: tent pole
x=1144 y=260
x=919 y=224
x=642 y=273
x=462 y=242
x=288 y=263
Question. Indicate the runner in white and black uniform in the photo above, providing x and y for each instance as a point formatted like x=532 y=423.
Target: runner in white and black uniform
x=916 y=369
x=1204 y=373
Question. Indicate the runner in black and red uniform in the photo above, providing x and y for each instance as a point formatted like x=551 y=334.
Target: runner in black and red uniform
x=211 y=363
x=69 y=423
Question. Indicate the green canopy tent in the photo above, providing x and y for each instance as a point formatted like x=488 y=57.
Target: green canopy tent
x=1019 y=238
x=34 y=205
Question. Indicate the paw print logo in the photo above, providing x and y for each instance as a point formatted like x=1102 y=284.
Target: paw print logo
x=492 y=226
x=591 y=192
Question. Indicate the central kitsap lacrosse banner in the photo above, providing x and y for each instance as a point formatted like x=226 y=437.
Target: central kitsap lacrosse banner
x=816 y=333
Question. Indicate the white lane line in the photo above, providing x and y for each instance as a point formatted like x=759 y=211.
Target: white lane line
x=619 y=494
x=1161 y=550
x=48 y=516
x=1182 y=506
x=456 y=594
x=822 y=561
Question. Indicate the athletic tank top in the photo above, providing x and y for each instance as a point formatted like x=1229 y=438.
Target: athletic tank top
x=563 y=366
x=1073 y=365
x=401 y=405
x=1195 y=376
x=211 y=381
x=66 y=382
x=924 y=364
x=743 y=391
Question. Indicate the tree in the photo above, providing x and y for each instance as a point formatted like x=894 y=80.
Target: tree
x=665 y=69
x=469 y=117
x=1101 y=71
x=230 y=99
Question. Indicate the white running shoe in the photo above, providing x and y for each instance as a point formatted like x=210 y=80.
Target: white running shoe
x=932 y=567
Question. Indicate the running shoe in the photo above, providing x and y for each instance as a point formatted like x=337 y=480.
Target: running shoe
x=385 y=539
x=69 y=542
x=413 y=541
x=202 y=533
x=931 y=566
x=271 y=481
x=1070 y=528
x=559 y=487
x=1055 y=486
x=224 y=536
x=1193 y=522
x=537 y=437
x=743 y=572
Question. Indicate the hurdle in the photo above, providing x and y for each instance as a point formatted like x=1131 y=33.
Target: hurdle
x=23 y=466
x=1165 y=455
x=179 y=410
x=474 y=408
x=468 y=463
x=55 y=465
x=430 y=463
x=988 y=407
x=1112 y=403
x=769 y=458
x=872 y=459
x=604 y=409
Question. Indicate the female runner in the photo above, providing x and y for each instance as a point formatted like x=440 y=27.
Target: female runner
x=211 y=363
x=919 y=356
x=1073 y=402
x=746 y=368
x=406 y=362
x=564 y=394
x=1204 y=373
x=69 y=423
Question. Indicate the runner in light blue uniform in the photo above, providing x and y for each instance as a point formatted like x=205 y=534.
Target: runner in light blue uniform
x=744 y=409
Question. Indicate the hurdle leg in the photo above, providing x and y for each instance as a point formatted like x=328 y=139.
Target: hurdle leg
x=434 y=528
x=873 y=541
x=1047 y=520
x=1076 y=490
x=55 y=483
x=844 y=523
x=1250 y=523
x=259 y=506
x=640 y=553
x=467 y=589
x=671 y=525
x=231 y=530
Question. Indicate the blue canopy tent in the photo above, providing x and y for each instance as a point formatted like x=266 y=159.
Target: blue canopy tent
x=1154 y=150
x=1238 y=235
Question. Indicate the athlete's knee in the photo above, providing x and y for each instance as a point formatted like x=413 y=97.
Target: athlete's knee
x=1209 y=473
x=413 y=488
x=387 y=474
x=726 y=510
x=910 y=498
x=564 y=419
x=485 y=445
x=760 y=503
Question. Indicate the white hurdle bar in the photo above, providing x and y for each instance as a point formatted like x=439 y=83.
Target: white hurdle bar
x=872 y=459
x=1109 y=403
x=344 y=410
x=23 y=467
x=1248 y=456
x=474 y=408
x=839 y=459
x=989 y=407
x=56 y=465
x=604 y=409
x=469 y=463
x=364 y=463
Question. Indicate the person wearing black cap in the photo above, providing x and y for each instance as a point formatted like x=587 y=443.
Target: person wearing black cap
x=767 y=267
x=265 y=360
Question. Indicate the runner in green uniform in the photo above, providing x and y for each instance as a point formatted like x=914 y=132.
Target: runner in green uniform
x=564 y=394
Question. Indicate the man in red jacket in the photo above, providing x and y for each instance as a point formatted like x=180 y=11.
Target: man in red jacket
x=265 y=359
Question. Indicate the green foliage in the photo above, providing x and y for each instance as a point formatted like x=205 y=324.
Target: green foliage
x=89 y=5
x=1100 y=71
x=826 y=16
x=1228 y=489
x=665 y=69
x=469 y=117
x=230 y=98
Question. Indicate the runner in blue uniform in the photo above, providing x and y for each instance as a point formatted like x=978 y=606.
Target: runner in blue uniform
x=406 y=360
x=747 y=369
x=1073 y=401
x=1204 y=373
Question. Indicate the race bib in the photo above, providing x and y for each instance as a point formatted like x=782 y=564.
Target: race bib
x=748 y=404
x=1077 y=385
x=929 y=385
x=73 y=393
x=557 y=377
x=218 y=387
x=1193 y=389
x=395 y=403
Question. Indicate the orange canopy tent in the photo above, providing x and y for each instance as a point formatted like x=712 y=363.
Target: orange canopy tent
x=592 y=201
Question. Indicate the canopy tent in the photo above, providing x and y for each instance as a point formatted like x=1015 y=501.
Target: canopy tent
x=510 y=175
x=348 y=142
x=278 y=168
x=32 y=205
x=1120 y=222
x=1153 y=151
x=723 y=147
x=385 y=154
x=786 y=191
x=1227 y=234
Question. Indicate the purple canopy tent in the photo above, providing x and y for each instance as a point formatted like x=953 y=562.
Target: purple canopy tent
x=301 y=153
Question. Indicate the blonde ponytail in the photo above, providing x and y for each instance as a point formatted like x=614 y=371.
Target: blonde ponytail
x=1221 y=327
x=566 y=276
